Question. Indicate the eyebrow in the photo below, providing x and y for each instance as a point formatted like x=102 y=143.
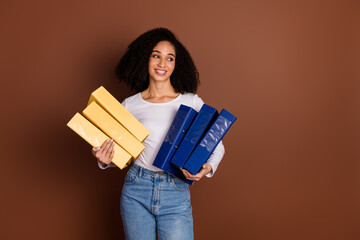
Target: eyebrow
x=160 y=52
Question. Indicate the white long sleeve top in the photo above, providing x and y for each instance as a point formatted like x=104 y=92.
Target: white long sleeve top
x=157 y=118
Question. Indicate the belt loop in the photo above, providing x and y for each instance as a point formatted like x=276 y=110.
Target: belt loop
x=140 y=172
x=169 y=177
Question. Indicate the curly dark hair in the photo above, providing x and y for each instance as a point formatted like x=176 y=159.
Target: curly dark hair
x=133 y=66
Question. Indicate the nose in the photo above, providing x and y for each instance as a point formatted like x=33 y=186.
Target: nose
x=161 y=62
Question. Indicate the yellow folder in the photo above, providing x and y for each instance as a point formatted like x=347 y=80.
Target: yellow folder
x=103 y=120
x=102 y=97
x=95 y=137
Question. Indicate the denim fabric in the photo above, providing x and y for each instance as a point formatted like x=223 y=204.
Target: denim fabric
x=155 y=202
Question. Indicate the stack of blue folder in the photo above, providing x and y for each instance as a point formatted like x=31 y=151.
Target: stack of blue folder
x=191 y=139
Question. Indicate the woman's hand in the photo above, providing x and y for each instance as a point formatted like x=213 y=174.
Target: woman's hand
x=105 y=153
x=206 y=168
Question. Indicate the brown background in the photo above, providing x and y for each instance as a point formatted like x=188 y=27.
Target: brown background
x=289 y=70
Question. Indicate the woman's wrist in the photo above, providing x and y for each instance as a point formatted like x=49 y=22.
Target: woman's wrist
x=208 y=168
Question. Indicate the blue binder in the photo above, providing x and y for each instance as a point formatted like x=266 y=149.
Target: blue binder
x=181 y=123
x=197 y=129
x=209 y=142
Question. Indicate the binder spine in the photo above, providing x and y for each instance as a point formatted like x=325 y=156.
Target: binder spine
x=209 y=142
x=181 y=123
x=103 y=120
x=102 y=97
x=201 y=123
x=85 y=129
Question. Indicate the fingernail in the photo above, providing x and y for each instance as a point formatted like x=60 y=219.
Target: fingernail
x=107 y=140
x=97 y=148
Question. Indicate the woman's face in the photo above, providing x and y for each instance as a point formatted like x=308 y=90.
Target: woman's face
x=162 y=62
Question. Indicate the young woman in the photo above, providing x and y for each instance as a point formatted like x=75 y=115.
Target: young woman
x=160 y=69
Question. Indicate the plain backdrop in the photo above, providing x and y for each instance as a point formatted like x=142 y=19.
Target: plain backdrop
x=289 y=70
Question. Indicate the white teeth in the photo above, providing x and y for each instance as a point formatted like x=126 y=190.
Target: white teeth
x=159 y=71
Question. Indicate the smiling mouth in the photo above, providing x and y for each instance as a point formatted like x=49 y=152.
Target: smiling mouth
x=160 y=72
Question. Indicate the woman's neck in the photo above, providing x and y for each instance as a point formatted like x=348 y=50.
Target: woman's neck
x=159 y=92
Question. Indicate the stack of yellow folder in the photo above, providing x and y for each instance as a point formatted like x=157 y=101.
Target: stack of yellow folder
x=107 y=118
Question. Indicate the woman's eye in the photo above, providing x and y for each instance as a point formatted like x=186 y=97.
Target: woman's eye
x=170 y=59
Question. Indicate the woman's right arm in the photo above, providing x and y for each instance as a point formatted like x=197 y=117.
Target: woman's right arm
x=104 y=154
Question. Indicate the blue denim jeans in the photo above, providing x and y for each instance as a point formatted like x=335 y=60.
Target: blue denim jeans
x=155 y=202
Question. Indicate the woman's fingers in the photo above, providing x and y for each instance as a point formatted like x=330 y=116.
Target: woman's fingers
x=110 y=148
x=205 y=169
x=200 y=174
x=105 y=152
x=112 y=154
x=185 y=172
x=94 y=150
x=104 y=146
x=188 y=175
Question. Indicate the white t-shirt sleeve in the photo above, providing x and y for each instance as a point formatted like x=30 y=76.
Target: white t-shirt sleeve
x=104 y=166
x=215 y=158
x=124 y=103
x=198 y=103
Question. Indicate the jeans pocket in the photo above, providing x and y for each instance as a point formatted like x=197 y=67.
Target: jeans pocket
x=179 y=185
x=130 y=177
